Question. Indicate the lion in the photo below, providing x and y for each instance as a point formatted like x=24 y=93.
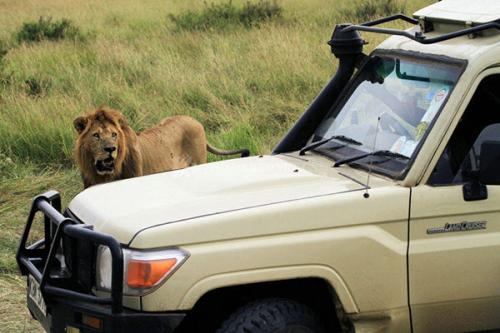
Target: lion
x=108 y=149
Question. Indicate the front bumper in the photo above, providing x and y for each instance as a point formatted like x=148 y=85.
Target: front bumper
x=66 y=315
x=60 y=269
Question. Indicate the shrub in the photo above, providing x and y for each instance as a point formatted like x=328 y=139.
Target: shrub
x=46 y=29
x=366 y=10
x=254 y=13
x=224 y=15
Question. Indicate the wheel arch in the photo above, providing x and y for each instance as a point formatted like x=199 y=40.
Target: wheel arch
x=317 y=286
x=218 y=281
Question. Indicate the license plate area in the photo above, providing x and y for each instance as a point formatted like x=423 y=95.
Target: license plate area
x=35 y=295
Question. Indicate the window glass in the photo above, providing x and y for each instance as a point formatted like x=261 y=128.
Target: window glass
x=479 y=128
x=390 y=107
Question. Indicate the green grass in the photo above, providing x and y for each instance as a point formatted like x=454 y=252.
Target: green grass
x=247 y=83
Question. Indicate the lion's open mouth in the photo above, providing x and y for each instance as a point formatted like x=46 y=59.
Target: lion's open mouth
x=106 y=166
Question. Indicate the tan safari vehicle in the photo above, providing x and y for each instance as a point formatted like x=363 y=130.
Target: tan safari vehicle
x=379 y=211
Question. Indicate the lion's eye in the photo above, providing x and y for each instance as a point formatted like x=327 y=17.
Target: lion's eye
x=114 y=134
x=96 y=135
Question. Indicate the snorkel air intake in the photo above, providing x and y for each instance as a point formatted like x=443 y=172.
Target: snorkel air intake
x=345 y=43
x=347 y=46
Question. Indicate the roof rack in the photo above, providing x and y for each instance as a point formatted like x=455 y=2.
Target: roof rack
x=419 y=35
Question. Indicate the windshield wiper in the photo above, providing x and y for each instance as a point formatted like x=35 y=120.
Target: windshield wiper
x=322 y=142
x=385 y=153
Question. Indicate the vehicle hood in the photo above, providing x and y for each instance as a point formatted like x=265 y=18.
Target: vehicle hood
x=124 y=208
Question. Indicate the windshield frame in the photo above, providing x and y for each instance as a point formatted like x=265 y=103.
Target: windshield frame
x=460 y=64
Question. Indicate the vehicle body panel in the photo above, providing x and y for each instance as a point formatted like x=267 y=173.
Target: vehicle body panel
x=322 y=230
x=453 y=275
x=332 y=221
x=200 y=191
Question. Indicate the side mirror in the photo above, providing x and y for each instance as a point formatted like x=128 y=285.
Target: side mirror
x=474 y=189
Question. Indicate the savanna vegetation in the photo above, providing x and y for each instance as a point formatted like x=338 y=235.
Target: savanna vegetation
x=246 y=70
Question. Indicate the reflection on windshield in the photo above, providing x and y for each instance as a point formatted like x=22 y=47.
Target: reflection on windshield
x=399 y=96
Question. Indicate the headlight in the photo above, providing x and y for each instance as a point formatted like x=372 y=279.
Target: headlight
x=142 y=270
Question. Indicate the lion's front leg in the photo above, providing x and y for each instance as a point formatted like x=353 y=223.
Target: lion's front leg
x=135 y=171
x=86 y=183
x=133 y=164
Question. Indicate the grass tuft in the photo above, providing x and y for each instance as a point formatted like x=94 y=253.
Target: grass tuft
x=225 y=15
x=367 y=10
x=7 y=166
x=46 y=29
x=36 y=87
x=4 y=49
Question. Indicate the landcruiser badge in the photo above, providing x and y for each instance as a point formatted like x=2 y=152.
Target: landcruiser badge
x=463 y=226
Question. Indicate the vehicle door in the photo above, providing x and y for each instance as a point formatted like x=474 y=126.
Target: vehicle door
x=454 y=251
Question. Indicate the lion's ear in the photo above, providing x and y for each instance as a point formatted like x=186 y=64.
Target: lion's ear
x=119 y=118
x=80 y=123
x=123 y=122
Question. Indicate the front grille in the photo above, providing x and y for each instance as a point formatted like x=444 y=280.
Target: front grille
x=79 y=256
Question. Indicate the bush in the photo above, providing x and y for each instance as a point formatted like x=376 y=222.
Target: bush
x=367 y=10
x=46 y=29
x=224 y=15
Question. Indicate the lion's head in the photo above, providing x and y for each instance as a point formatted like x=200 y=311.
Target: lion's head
x=101 y=145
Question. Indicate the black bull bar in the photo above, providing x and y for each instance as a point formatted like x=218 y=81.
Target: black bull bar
x=39 y=260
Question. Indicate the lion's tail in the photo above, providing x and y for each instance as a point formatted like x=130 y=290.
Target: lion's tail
x=243 y=152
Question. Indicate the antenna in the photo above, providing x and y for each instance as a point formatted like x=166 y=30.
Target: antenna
x=366 y=195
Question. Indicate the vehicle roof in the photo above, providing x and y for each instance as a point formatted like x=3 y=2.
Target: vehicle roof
x=452 y=15
x=475 y=11
x=446 y=16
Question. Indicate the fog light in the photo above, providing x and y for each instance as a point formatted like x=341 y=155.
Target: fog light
x=93 y=322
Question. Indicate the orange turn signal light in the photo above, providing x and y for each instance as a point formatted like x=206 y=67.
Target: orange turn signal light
x=145 y=274
x=93 y=322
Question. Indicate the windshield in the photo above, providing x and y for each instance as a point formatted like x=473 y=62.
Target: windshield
x=391 y=105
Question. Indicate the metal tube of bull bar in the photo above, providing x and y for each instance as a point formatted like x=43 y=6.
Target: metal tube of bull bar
x=49 y=204
x=78 y=231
